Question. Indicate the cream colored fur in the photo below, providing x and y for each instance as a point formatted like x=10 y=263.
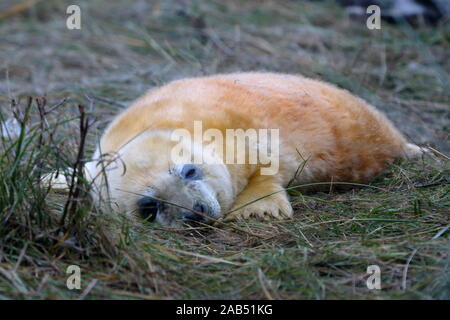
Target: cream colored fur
x=332 y=134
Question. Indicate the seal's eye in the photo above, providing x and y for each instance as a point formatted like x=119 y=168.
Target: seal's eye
x=191 y=172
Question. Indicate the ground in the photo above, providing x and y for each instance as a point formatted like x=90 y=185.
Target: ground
x=399 y=223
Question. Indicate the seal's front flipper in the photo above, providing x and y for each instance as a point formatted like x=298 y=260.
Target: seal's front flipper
x=263 y=198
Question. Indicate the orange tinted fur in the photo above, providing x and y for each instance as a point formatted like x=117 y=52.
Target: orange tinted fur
x=342 y=137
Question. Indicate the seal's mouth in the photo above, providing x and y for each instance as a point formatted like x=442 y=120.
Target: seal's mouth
x=149 y=209
x=201 y=212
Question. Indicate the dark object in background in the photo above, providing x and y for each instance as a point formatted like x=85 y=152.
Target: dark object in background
x=413 y=11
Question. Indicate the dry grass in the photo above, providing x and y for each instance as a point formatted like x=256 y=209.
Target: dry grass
x=123 y=50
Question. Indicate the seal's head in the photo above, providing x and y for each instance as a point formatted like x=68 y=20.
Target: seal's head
x=145 y=178
x=179 y=189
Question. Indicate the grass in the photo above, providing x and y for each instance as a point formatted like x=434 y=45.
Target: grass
x=401 y=223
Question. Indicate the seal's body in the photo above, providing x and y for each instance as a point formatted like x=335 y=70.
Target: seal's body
x=325 y=135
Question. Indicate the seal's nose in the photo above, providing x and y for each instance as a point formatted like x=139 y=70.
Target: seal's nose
x=193 y=217
x=200 y=207
x=148 y=208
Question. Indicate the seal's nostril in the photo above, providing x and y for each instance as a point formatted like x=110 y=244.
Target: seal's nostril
x=200 y=207
x=192 y=218
x=148 y=208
